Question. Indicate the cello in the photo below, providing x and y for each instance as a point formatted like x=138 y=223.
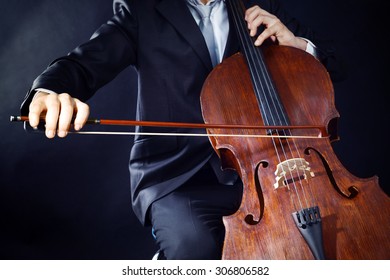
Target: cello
x=299 y=201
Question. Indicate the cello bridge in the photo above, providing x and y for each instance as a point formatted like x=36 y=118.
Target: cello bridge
x=292 y=170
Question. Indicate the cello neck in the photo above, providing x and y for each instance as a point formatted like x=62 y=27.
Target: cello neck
x=270 y=105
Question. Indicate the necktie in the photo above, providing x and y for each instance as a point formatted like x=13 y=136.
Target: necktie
x=205 y=25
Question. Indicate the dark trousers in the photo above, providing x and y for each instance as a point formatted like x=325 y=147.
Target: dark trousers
x=188 y=224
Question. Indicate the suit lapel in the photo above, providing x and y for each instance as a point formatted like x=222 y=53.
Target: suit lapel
x=232 y=45
x=178 y=14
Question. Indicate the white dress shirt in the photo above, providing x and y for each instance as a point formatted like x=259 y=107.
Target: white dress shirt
x=220 y=22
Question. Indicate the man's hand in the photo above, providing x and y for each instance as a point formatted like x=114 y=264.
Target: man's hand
x=274 y=29
x=59 y=109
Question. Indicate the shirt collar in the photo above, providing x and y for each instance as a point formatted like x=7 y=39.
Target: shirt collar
x=197 y=2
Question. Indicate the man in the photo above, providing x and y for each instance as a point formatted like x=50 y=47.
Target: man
x=177 y=185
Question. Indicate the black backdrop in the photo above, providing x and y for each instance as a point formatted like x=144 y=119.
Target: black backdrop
x=69 y=198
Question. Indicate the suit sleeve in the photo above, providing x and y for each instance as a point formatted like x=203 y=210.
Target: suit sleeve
x=91 y=65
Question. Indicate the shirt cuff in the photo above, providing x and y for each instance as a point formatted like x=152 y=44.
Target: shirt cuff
x=45 y=90
x=310 y=47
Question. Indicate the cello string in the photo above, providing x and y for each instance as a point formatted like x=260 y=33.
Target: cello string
x=281 y=116
x=291 y=147
x=254 y=56
x=247 y=45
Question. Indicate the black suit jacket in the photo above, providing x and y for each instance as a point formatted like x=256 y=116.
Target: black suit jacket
x=162 y=41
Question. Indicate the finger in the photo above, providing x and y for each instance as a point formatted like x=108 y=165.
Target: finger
x=81 y=115
x=264 y=20
x=253 y=12
x=268 y=32
x=274 y=30
x=66 y=114
x=250 y=16
x=53 y=108
x=255 y=23
x=36 y=108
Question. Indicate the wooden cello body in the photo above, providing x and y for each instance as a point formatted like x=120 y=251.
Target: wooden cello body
x=299 y=201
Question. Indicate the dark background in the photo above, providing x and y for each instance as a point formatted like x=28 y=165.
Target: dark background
x=69 y=198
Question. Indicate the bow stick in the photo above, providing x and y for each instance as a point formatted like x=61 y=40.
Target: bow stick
x=322 y=134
